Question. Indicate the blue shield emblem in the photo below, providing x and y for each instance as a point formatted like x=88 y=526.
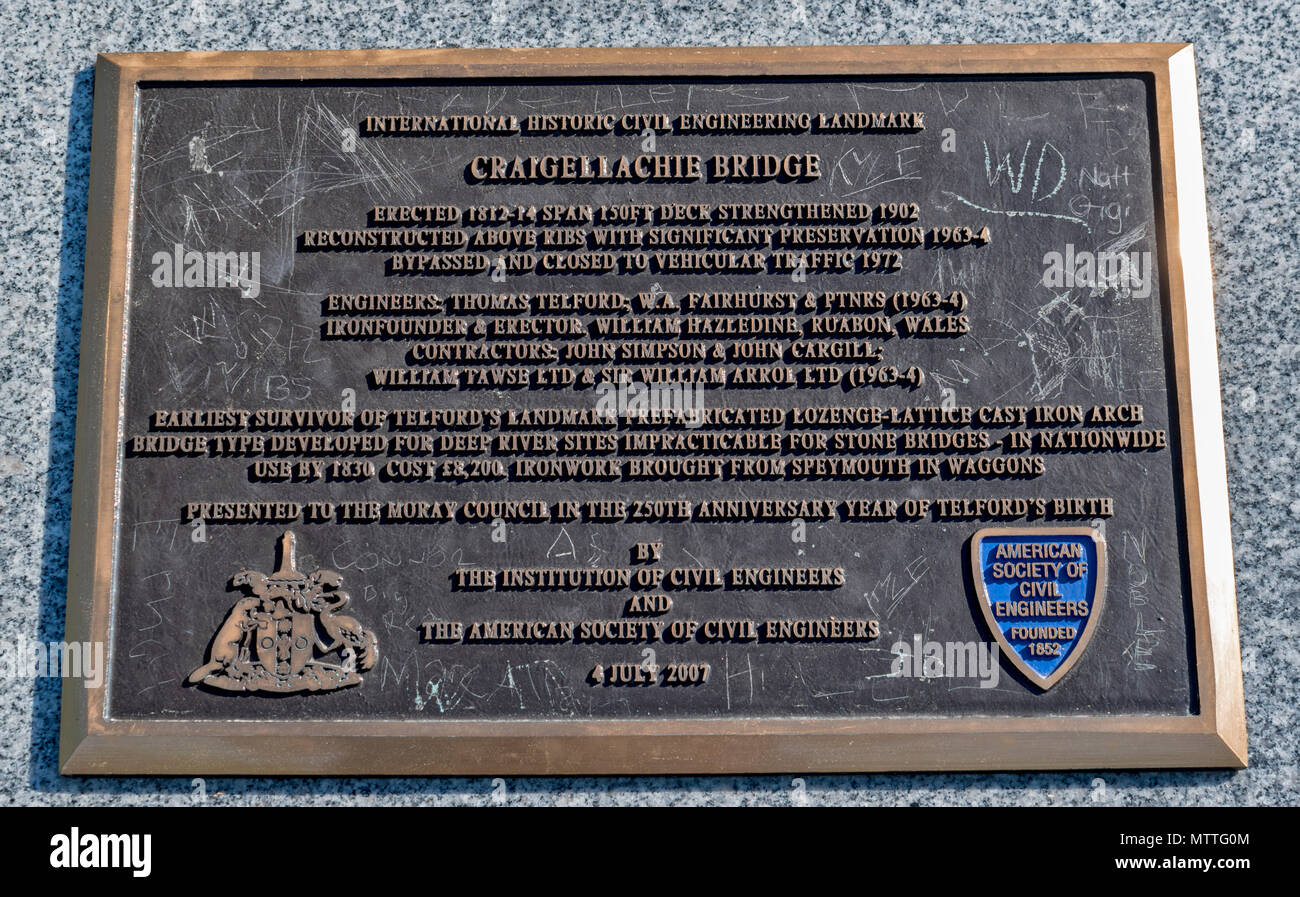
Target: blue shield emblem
x=1040 y=590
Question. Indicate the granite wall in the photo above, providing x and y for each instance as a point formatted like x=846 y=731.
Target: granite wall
x=1248 y=80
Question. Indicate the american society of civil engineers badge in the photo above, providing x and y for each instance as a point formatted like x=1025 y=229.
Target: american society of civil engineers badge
x=1040 y=590
x=288 y=635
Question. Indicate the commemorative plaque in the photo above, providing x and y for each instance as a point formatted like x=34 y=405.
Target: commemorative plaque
x=650 y=410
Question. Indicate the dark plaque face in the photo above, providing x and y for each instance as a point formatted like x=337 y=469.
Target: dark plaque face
x=719 y=412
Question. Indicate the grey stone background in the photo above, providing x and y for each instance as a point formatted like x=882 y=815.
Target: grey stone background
x=1248 y=81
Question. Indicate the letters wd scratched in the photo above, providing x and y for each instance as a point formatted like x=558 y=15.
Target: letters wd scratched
x=650 y=411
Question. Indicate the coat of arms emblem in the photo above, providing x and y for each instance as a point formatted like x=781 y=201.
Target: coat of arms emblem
x=1040 y=590
x=288 y=634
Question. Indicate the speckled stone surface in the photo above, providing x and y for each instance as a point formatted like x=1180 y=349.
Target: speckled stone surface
x=1248 y=79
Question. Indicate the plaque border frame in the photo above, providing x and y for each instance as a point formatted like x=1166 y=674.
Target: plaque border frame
x=92 y=743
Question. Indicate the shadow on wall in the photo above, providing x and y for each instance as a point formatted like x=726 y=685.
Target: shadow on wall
x=43 y=772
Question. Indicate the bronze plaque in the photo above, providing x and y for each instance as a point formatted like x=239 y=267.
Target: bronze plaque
x=651 y=411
